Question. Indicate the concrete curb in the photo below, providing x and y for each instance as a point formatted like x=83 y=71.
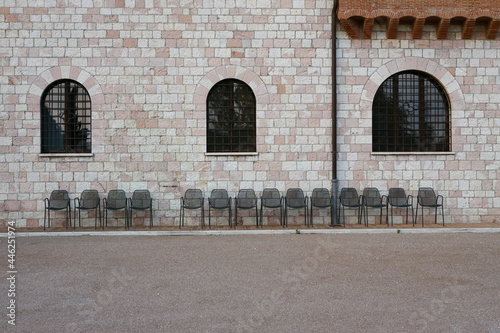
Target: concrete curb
x=255 y=232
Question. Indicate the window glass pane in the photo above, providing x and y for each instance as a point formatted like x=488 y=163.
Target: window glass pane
x=410 y=113
x=65 y=118
x=231 y=117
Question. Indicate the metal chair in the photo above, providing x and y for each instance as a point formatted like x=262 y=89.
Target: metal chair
x=349 y=198
x=321 y=198
x=141 y=200
x=428 y=198
x=58 y=200
x=116 y=200
x=192 y=199
x=219 y=200
x=246 y=199
x=296 y=199
x=373 y=199
x=89 y=200
x=399 y=199
x=271 y=198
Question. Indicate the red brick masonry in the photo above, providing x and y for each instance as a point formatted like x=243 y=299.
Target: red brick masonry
x=358 y=16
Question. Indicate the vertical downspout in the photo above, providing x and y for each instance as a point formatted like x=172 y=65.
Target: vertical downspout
x=335 y=221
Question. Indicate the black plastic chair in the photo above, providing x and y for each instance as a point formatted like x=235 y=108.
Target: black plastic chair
x=321 y=198
x=58 y=200
x=141 y=200
x=89 y=200
x=373 y=199
x=428 y=198
x=271 y=198
x=192 y=199
x=399 y=199
x=246 y=199
x=219 y=200
x=296 y=199
x=349 y=198
x=116 y=200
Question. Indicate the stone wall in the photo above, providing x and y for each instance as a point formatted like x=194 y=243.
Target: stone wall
x=148 y=66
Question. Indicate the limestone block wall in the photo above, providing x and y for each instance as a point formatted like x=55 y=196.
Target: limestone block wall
x=148 y=66
x=468 y=177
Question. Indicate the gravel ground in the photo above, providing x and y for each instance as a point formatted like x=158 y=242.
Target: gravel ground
x=256 y=283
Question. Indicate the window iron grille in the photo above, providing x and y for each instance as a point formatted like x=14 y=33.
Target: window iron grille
x=231 y=124
x=411 y=113
x=66 y=118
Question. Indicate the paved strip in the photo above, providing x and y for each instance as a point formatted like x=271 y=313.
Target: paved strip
x=253 y=232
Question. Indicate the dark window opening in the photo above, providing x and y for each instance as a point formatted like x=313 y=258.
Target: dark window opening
x=65 y=118
x=231 y=125
x=411 y=113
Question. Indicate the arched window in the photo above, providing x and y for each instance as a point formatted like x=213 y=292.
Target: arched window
x=231 y=112
x=411 y=113
x=66 y=118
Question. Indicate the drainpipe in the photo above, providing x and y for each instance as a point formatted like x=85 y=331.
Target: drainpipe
x=335 y=186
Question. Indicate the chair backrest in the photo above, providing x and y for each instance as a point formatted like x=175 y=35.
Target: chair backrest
x=219 y=199
x=427 y=196
x=246 y=198
x=59 y=199
x=271 y=198
x=349 y=196
x=141 y=199
x=321 y=197
x=372 y=197
x=89 y=199
x=295 y=197
x=193 y=198
x=397 y=196
x=117 y=199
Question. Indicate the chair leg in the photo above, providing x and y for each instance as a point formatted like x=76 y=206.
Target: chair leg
x=257 y=216
x=203 y=217
x=310 y=217
x=236 y=217
x=305 y=214
x=422 y=216
x=442 y=213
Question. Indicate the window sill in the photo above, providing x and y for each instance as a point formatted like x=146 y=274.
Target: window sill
x=415 y=153
x=232 y=154
x=66 y=155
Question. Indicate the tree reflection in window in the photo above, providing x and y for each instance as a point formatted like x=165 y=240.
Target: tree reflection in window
x=231 y=112
x=66 y=118
x=411 y=113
